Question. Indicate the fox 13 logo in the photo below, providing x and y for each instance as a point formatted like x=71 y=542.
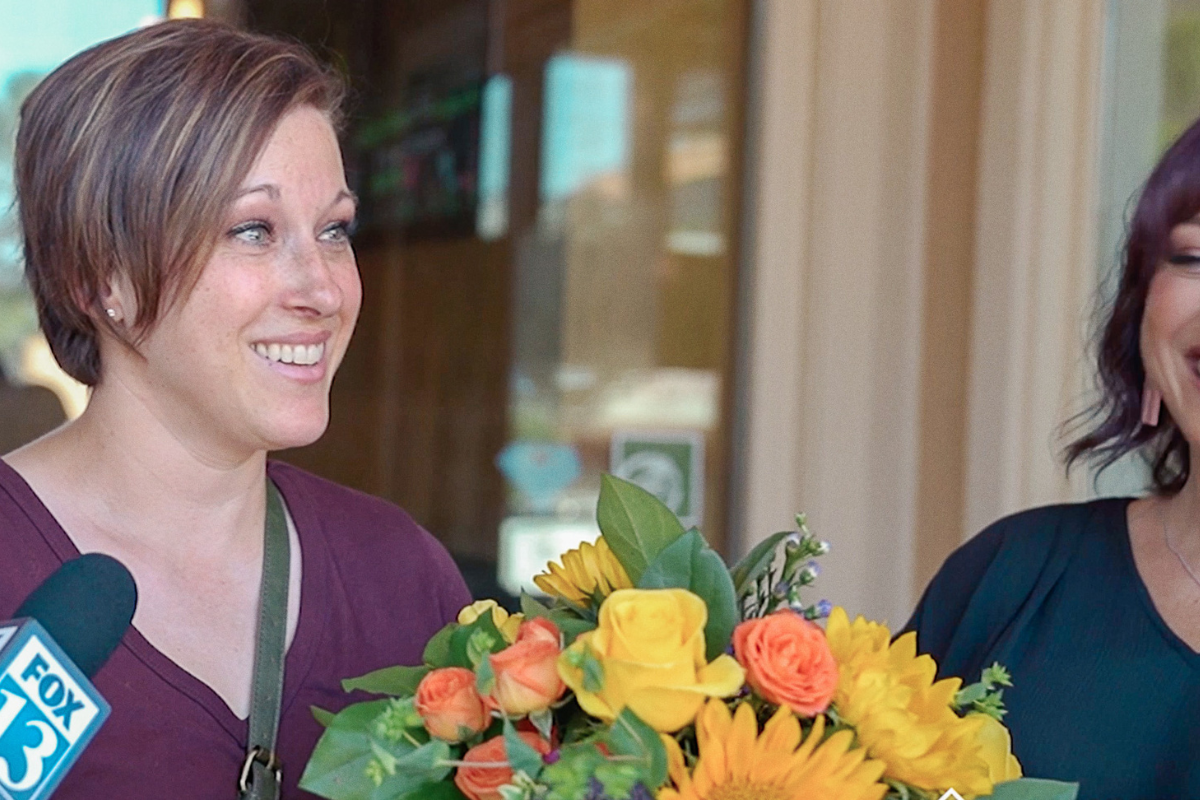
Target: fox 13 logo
x=48 y=713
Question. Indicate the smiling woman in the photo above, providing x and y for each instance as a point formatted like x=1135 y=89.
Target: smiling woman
x=278 y=284
x=1093 y=606
x=186 y=227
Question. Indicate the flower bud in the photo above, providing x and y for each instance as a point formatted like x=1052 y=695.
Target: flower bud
x=449 y=705
x=484 y=782
x=526 y=671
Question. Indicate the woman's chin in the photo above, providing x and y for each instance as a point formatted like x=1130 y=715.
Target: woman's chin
x=298 y=433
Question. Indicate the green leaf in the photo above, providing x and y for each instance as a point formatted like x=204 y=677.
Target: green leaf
x=437 y=649
x=756 y=562
x=900 y=791
x=593 y=671
x=415 y=770
x=996 y=675
x=468 y=643
x=338 y=766
x=480 y=645
x=1034 y=789
x=969 y=694
x=569 y=623
x=442 y=790
x=570 y=777
x=689 y=563
x=521 y=757
x=399 y=721
x=485 y=678
x=544 y=722
x=635 y=523
x=531 y=607
x=322 y=716
x=396 y=681
x=629 y=736
x=570 y=626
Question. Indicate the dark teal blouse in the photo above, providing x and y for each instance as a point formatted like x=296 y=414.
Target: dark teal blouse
x=1104 y=692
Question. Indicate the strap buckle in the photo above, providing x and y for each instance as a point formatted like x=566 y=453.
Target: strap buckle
x=267 y=758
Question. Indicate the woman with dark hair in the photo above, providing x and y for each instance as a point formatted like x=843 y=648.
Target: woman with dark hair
x=186 y=235
x=1095 y=607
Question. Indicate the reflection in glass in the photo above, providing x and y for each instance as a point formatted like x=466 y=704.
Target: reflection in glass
x=622 y=321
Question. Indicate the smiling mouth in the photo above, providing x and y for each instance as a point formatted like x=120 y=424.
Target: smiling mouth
x=302 y=355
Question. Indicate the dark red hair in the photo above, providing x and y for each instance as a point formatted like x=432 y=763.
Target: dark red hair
x=1113 y=426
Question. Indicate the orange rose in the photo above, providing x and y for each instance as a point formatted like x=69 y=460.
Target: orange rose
x=448 y=703
x=787 y=661
x=527 y=670
x=483 y=782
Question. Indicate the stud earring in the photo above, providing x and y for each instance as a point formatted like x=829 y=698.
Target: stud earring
x=112 y=313
x=1151 y=403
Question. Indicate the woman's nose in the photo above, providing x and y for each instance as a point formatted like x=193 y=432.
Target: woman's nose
x=312 y=278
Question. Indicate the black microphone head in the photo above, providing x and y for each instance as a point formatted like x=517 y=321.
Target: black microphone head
x=86 y=605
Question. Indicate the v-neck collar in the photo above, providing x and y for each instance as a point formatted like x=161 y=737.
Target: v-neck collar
x=1129 y=564
x=310 y=627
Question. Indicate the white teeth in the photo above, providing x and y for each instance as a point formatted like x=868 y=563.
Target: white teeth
x=303 y=355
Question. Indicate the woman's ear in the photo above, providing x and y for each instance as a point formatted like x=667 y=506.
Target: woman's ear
x=119 y=300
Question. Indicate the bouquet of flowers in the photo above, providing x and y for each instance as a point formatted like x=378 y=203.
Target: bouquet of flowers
x=655 y=671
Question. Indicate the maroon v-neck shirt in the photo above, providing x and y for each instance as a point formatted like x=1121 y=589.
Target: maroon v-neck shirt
x=375 y=587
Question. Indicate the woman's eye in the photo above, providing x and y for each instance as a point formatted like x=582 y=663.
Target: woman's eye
x=338 y=232
x=1185 y=259
x=251 y=232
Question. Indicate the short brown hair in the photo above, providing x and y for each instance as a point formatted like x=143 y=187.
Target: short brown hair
x=128 y=156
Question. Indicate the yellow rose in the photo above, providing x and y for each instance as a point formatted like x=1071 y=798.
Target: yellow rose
x=650 y=647
x=997 y=750
x=506 y=623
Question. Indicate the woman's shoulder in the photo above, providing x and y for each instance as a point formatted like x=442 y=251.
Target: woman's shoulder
x=1034 y=534
x=983 y=585
x=357 y=518
x=372 y=540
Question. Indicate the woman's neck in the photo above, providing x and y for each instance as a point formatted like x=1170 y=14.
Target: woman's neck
x=118 y=469
x=1180 y=515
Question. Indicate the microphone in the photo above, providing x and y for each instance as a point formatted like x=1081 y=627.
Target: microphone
x=60 y=637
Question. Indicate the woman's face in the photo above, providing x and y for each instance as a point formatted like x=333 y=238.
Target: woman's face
x=246 y=361
x=1170 y=333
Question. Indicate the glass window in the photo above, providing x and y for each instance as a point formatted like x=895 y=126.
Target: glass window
x=550 y=205
x=622 y=340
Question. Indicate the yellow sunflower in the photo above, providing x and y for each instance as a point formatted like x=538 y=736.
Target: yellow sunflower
x=903 y=717
x=589 y=572
x=737 y=764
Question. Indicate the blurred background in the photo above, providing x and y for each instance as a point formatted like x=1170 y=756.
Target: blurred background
x=759 y=256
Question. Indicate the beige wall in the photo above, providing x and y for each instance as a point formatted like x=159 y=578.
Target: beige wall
x=921 y=256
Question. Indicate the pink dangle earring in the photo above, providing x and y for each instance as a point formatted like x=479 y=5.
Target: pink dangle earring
x=1151 y=403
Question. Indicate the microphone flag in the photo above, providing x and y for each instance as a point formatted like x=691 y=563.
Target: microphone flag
x=49 y=711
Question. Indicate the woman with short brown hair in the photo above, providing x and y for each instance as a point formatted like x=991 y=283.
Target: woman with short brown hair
x=186 y=234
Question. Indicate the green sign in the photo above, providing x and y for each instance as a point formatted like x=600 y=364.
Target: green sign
x=668 y=464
